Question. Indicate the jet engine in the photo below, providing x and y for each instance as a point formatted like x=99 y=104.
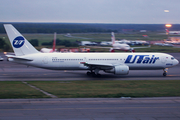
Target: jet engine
x=119 y=70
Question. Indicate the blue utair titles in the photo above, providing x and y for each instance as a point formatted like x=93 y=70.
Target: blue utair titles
x=145 y=59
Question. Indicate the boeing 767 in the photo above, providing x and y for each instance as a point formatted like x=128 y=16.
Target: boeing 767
x=116 y=63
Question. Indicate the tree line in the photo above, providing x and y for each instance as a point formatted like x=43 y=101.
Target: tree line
x=66 y=43
x=56 y=27
x=83 y=27
x=35 y=42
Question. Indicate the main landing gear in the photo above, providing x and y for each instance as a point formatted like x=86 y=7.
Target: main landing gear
x=165 y=72
x=94 y=73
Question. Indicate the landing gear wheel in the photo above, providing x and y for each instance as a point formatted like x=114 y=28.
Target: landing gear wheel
x=88 y=73
x=98 y=75
x=93 y=74
x=164 y=74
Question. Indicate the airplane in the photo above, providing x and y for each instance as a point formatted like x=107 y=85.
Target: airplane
x=118 y=46
x=47 y=50
x=116 y=63
x=172 y=32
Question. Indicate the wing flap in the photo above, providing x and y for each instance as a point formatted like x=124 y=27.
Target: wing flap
x=97 y=64
x=102 y=66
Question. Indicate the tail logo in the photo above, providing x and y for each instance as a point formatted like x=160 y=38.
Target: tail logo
x=18 y=42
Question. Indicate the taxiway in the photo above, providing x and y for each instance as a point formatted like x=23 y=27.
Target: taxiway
x=91 y=109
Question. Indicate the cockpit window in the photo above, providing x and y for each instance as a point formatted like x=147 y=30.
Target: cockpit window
x=172 y=58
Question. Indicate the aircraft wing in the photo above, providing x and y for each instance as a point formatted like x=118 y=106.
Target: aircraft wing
x=18 y=58
x=112 y=47
x=141 y=47
x=98 y=47
x=102 y=66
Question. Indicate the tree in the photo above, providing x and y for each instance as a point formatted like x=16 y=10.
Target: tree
x=67 y=43
x=2 y=43
x=34 y=42
x=47 y=43
x=6 y=47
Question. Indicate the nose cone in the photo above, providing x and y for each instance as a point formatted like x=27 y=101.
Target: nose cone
x=176 y=62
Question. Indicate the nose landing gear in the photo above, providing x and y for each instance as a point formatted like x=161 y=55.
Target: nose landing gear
x=165 y=72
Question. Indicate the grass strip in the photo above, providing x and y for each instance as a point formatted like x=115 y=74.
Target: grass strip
x=92 y=89
x=14 y=89
x=111 y=88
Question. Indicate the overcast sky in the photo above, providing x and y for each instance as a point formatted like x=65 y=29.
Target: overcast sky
x=91 y=11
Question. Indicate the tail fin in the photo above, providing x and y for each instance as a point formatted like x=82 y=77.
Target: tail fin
x=112 y=38
x=54 y=42
x=19 y=43
x=167 y=31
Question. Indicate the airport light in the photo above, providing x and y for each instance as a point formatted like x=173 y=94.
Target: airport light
x=166 y=11
x=168 y=25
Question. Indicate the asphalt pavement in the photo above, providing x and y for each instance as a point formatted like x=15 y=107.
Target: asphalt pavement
x=161 y=108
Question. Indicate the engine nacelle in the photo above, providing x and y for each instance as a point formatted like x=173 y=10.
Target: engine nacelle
x=119 y=70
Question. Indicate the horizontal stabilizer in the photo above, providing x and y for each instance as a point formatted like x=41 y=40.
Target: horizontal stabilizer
x=18 y=58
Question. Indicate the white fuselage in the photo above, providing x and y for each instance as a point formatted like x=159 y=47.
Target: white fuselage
x=72 y=61
x=119 y=46
x=46 y=50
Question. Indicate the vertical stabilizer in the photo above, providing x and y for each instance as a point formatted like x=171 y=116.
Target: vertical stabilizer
x=18 y=42
x=167 y=31
x=113 y=38
x=54 y=42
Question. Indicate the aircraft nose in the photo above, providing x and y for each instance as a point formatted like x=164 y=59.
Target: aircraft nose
x=176 y=62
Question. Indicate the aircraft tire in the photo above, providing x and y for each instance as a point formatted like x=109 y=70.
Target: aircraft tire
x=88 y=73
x=164 y=74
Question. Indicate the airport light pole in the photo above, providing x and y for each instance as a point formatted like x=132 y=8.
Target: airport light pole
x=167 y=30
